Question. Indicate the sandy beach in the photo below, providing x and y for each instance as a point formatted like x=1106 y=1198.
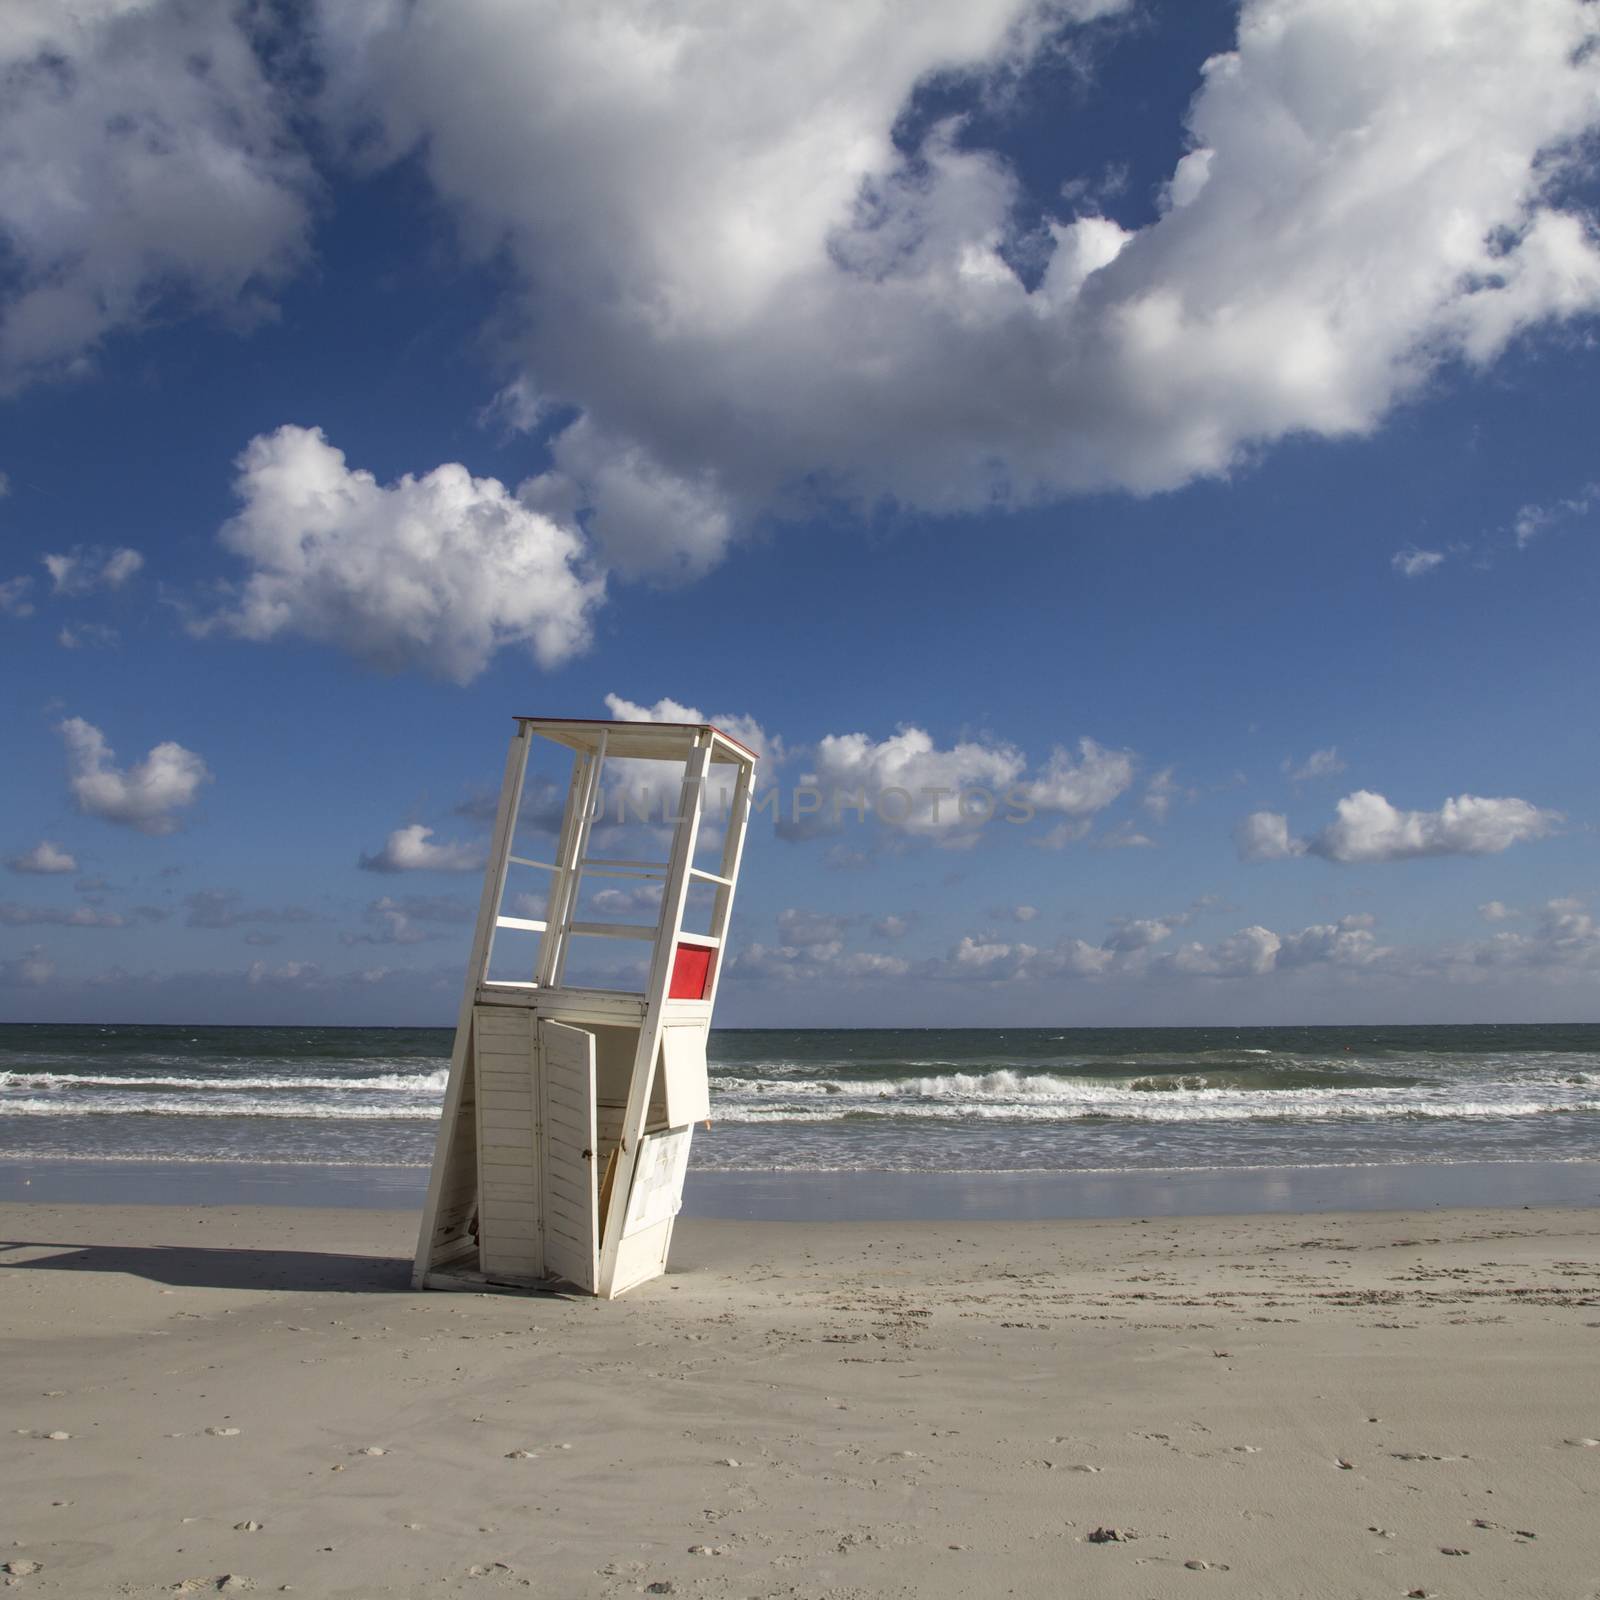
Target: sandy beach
x=230 y=1399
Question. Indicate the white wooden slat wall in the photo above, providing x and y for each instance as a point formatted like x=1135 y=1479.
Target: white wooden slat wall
x=508 y=1216
x=571 y=1205
x=458 y=1190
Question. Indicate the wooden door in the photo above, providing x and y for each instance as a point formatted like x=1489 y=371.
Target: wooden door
x=567 y=1169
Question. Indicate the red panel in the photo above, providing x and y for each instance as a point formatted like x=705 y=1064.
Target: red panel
x=691 y=972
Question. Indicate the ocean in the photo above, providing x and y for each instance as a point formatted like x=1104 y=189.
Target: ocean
x=1030 y=1100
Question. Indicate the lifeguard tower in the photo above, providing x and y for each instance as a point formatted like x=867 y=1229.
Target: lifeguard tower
x=565 y=1135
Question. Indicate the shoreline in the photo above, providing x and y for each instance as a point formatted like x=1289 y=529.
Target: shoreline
x=253 y=1398
x=860 y=1195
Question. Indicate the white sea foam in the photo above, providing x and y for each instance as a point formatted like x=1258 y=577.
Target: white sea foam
x=219 y=1106
x=1039 y=1097
x=431 y=1083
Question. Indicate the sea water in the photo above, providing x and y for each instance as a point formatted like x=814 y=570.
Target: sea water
x=886 y=1100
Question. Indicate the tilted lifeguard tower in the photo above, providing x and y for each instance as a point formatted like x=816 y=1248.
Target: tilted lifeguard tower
x=565 y=1134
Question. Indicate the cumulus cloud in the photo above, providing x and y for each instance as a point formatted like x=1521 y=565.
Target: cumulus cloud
x=906 y=781
x=814 y=963
x=654 y=789
x=1496 y=911
x=144 y=796
x=1251 y=952
x=88 y=567
x=1078 y=786
x=411 y=849
x=745 y=285
x=1264 y=836
x=1139 y=933
x=767 y=746
x=44 y=857
x=1415 y=563
x=612 y=902
x=1366 y=827
x=147 y=166
x=1561 y=943
x=437 y=572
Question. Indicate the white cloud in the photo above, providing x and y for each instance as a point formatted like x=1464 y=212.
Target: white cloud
x=1415 y=563
x=143 y=796
x=14 y=600
x=654 y=789
x=1139 y=933
x=1496 y=911
x=146 y=167
x=767 y=746
x=1251 y=952
x=411 y=849
x=1264 y=836
x=616 y=902
x=1561 y=944
x=1319 y=764
x=437 y=572
x=988 y=953
x=1079 y=786
x=745 y=286
x=1345 y=943
x=908 y=782
x=88 y=567
x=1367 y=828
x=891 y=927
x=44 y=857
x=814 y=964
x=1533 y=520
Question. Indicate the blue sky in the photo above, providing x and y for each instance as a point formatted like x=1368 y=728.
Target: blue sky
x=926 y=394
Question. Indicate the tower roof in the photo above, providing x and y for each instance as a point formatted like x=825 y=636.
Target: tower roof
x=644 y=741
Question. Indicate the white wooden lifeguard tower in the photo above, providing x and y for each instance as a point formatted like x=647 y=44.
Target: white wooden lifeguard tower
x=565 y=1134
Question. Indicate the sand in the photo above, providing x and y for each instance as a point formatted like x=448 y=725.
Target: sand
x=233 y=1400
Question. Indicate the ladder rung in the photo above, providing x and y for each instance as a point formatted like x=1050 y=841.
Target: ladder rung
x=526 y=924
x=710 y=877
x=613 y=930
x=523 y=861
x=595 y=861
x=701 y=939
